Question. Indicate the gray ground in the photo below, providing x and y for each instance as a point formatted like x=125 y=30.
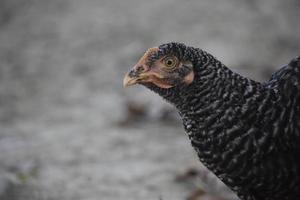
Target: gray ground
x=70 y=131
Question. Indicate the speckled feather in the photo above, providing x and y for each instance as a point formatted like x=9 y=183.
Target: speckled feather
x=246 y=132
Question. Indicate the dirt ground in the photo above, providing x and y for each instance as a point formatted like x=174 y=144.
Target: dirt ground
x=68 y=128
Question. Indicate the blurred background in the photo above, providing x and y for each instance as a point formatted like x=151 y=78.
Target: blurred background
x=68 y=129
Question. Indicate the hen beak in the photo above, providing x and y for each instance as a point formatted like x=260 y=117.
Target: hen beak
x=133 y=77
x=128 y=81
x=141 y=73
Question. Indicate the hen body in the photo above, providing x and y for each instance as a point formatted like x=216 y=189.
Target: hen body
x=246 y=132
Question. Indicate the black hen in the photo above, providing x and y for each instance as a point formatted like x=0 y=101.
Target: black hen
x=246 y=132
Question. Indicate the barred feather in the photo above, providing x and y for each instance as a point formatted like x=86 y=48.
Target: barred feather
x=246 y=132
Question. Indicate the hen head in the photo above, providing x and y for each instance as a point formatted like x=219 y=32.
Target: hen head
x=166 y=66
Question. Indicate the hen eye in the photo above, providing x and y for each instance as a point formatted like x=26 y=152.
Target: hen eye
x=170 y=62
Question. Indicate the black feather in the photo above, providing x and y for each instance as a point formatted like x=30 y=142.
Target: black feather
x=246 y=132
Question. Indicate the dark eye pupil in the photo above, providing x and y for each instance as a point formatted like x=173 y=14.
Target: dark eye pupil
x=169 y=62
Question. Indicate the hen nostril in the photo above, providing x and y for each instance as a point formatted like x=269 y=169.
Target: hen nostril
x=132 y=73
x=140 y=69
